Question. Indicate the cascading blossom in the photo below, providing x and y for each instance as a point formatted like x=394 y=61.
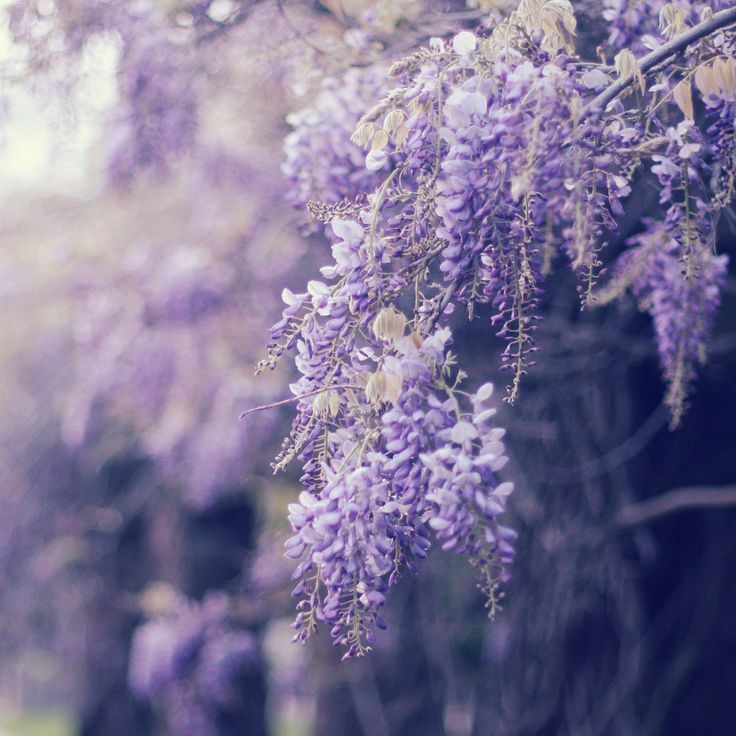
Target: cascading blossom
x=682 y=307
x=496 y=156
x=190 y=661
x=321 y=162
x=672 y=268
x=636 y=24
x=160 y=118
x=383 y=484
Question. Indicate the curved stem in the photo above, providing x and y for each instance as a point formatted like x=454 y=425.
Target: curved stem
x=667 y=50
x=293 y=399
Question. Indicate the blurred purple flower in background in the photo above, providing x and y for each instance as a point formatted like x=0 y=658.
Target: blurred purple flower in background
x=445 y=158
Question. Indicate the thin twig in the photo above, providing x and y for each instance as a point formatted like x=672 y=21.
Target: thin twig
x=223 y=27
x=296 y=31
x=613 y=459
x=447 y=295
x=293 y=399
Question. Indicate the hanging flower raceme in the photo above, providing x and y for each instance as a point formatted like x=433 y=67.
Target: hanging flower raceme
x=493 y=156
x=380 y=483
x=682 y=306
x=672 y=268
x=321 y=162
x=190 y=660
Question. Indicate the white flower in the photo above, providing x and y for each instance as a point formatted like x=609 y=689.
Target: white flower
x=689 y=149
x=461 y=105
x=288 y=297
x=464 y=43
x=376 y=160
x=320 y=296
x=594 y=79
x=484 y=393
x=348 y=230
x=318 y=289
x=504 y=489
x=463 y=431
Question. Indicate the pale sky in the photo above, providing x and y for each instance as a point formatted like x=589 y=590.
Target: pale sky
x=49 y=140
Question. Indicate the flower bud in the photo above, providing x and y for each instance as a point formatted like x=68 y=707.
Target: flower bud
x=393 y=121
x=725 y=73
x=326 y=404
x=684 y=98
x=363 y=135
x=380 y=140
x=389 y=325
x=717 y=78
x=705 y=80
x=384 y=387
x=464 y=43
x=626 y=65
x=672 y=20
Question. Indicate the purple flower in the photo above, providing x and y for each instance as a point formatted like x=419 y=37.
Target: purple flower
x=190 y=661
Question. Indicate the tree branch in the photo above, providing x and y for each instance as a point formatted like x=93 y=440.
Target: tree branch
x=680 y=499
x=667 y=50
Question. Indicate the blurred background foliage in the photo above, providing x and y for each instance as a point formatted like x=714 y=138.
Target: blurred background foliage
x=145 y=242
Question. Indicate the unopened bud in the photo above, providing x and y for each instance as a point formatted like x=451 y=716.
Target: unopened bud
x=671 y=20
x=626 y=64
x=393 y=121
x=364 y=134
x=684 y=98
x=380 y=140
x=384 y=387
x=705 y=80
x=389 y=325
x=326 y=404
x=725 y=73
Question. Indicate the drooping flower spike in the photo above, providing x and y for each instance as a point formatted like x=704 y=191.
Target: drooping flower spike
x=496 y=159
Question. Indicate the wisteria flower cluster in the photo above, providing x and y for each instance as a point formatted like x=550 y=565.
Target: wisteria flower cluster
x=672 y=267
x=501 y=153
x=158 y=115
x=636 y=26
x=189 y=662
x=157 y=361
x=377 y=485
x=321 y=163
